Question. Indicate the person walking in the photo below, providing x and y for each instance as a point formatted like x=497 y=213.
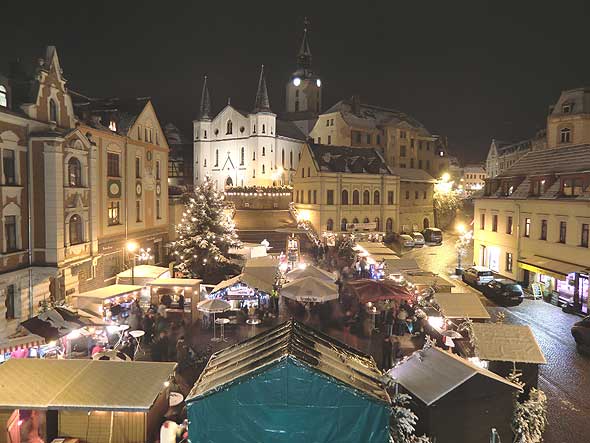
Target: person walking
x=389 y=322
x=386 y=353
x=400 y=324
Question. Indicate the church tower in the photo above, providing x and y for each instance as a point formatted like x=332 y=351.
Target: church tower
x=304 y=88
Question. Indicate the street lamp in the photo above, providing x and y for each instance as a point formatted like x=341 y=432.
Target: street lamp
x=142 y=255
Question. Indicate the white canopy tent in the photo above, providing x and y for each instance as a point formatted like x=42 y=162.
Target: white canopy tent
x=311 y=271
x=310 y=289
x=142 y=274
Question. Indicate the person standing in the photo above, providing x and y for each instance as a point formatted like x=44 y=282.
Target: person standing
x=386 y=353
x=389 y=322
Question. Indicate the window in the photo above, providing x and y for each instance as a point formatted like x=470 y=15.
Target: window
x=216 y=158
x=427 y=164
x=343 y=224
x=302 y=172
x=114 y=212
x=356 y=197
x=495 y=223
x=527 y=227
x=424 y=195
x=412 y=143
x=567 y=108
x=264 y=129
x=585 y=232
x=263 y=151
x=402 y=151
x=158 y=209
x=10 y=233
x=389 y=225
x=315 y=197
x=145 y=133
x=366 y=220
x=376 y=198
x=158 y=170
x=137 y=167
x=543 y=230
x=329 y=139
x=204 y=134
x=74 y=172
x=309 y=172
x=263 y=169
x=3 y=96
x=331 y=122
x=377 y=222
x=357 y=136
x=419 y=145
x=565 y=135
x=378 y=139
x=416 y=195
x=282 y=157
x=572 y=187
x=52 y=110
x=419 y=164
x=509 y=262
x=319 y=140
x=139 y=133
x=229 y=127
x=390 y=199
x=562 y=231
x=368 y=139
x=76 y=230
x=366 y=198
x=411 y=163
x=330 y=225
x=482 y=221
x=355 y=220
x=291 y=159
x=10 y=302
x=9 y=166
x=407 y=195
x=204 y=162
x=138 y=210
x=113 y=164
x=327 y=120
x=330 y=197
x=402 y=134
x=254 y=155
x=297 y=105
x=509 y=224
x=344 y=197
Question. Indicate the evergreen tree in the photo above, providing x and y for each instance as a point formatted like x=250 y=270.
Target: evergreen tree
x=205 y=235
x=404 y=421
x=530 y=418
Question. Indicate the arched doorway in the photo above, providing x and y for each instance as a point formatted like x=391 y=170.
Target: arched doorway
x=229 y=182
x=389 y=225
x=426 y=223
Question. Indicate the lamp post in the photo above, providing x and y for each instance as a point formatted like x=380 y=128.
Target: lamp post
x=143 y=255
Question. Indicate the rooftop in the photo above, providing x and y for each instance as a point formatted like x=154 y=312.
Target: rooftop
x=349 y=160
x=570 y=159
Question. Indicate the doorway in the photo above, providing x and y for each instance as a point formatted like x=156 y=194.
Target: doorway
x=426 y=223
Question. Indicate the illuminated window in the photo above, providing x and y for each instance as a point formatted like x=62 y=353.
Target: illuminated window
x=113 y=164
x=114 y=212
x=74 y=172
x=565 y=135
x=76 y=230
x=3 y=96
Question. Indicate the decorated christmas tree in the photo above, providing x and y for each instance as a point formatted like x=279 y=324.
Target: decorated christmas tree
x=205 y=235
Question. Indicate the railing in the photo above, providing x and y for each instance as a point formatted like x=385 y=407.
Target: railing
x=305 y=225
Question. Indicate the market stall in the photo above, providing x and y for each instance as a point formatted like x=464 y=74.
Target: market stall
x=90 y=400
x=142 y=275
x=368 y=290
x=425 y=280
x=20 y=345
x=310 y=271
x=112 y=303
x=252 y=287
x=181 y=292
x=310 y=290
x=461 y=306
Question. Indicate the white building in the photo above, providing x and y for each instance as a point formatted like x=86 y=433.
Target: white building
x=238 y=148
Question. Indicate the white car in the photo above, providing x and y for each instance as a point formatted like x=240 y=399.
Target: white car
x=406 y=241
x=478 y=275
x=418 y=239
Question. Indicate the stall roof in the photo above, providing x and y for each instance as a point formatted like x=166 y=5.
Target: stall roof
x=144 y=271
x=461 y=305
x=502 y=342
x=248 y=279
x=81 y=384
x=428 y=280
x=401 y=264
x=174 y=282
x=295 y=340
x=109 y=291
x=19 y=341
x=432 y=373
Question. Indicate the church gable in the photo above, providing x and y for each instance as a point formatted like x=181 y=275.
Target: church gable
x=230 y=122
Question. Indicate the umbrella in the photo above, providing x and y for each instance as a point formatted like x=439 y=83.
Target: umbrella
x=368 y=290
x=213 y=306
x=451 y=334
x=311 y=271
x=111 y=355
x=310 y=289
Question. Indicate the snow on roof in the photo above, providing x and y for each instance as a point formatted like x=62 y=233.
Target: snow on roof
x=349 y=160
x=457 y=305
x=432 y=373
x=502 y=342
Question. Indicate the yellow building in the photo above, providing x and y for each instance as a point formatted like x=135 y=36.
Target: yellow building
x=405 y=142
x=532 y=223
x=568 y=122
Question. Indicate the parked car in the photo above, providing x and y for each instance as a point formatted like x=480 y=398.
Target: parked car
x=418 y=239
x=504 y=291
x=581 y=334
x=477 y=275
x=403 y=240
x=433 y=235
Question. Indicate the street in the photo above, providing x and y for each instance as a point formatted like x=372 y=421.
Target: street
x=566 y=377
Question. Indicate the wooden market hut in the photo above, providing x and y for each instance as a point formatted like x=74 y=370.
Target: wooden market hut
x=461 y=306
x=97 y=302
x=190 y=288
x=93 y=401
x=504 y=348
x=424 y=280
x=455 y=400
x=290 y=384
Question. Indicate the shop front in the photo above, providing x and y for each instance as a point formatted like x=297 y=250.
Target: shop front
x=560 y=283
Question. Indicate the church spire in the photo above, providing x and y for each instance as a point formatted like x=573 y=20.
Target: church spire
x=261 y=104
x=304 y=54
x=205 y=108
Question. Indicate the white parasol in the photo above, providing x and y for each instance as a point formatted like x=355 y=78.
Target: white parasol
x=310 y=289
x=213 y=306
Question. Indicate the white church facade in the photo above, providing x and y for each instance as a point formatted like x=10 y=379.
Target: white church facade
x=238 y=148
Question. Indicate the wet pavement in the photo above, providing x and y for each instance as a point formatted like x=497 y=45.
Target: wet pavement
x=566 y=376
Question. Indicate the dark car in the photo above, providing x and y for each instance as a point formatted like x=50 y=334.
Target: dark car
x=433 y=235
x=581 y=334
x=504 y=291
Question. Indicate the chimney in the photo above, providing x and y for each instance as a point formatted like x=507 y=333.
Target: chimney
x=356 y=105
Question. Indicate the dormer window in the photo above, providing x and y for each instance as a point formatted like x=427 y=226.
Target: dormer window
x=572 y=187
x=3 y=96
x=113 y=126
x=565 y=135
x=229 y=127
x=567 y=108
x=52 y=110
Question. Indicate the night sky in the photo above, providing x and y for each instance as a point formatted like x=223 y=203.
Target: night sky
x=469 y=70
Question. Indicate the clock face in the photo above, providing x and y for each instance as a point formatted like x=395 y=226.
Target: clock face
x=138 y=189
x=114 y=188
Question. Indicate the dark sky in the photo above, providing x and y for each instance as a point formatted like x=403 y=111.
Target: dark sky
x=470 y=70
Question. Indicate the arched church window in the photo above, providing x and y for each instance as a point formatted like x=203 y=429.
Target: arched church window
x=74 y=172
x=76 y=230
x=52 y=110
x=242 y=156
x=217 y=157
x=229 y=127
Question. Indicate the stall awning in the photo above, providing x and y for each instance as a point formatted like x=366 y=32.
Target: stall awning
x=20 y=341
x=109 y=292
x=548 y=266
x=466 y=305
x=503 y=342
x=142 y=274
x=248 y=279
x=58 y=322
x=179 y=282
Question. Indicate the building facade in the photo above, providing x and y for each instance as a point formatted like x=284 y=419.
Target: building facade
x=568 y=122
x=472 y=179
x=66 y=189
x=238 y=148
x=532 y=223
x=416 y=200
x=405 y=142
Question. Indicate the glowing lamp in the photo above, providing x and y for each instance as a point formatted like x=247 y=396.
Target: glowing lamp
x=296 y=81
x=132 y=246
x=318 y=82
x=436 y=322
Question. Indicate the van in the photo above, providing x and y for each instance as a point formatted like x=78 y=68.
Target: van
x=433 y=235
